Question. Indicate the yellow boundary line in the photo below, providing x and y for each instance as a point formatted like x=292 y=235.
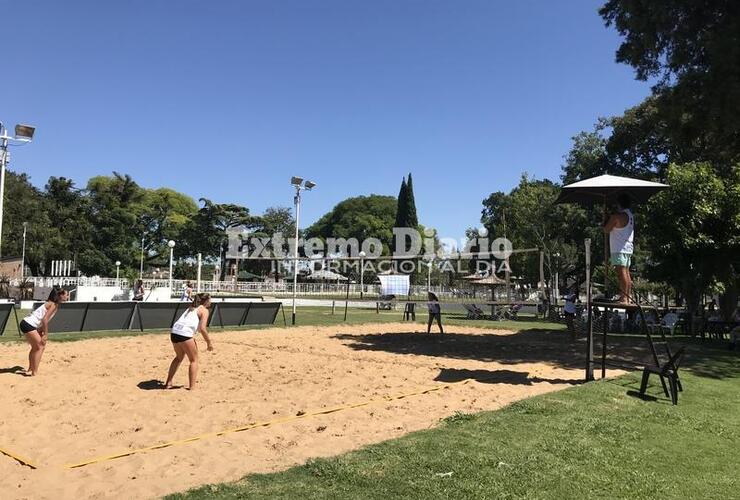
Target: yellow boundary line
x=17 y=458
x=266 y=423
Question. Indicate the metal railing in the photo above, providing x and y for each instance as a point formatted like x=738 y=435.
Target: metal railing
x=275 y=288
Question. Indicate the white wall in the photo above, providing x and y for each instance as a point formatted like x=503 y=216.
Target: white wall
x=101 y=293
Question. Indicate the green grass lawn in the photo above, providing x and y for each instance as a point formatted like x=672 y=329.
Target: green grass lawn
x=594 y=440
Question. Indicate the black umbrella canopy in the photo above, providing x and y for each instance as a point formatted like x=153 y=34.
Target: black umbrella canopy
x=606 y=189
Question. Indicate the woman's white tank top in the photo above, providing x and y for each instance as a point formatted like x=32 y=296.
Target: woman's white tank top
x=621 y=238
x=37 y=316
x=187 y=325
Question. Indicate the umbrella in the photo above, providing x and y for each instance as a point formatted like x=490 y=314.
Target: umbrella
x=606 y=188
x=493 y=281
x=326 y=275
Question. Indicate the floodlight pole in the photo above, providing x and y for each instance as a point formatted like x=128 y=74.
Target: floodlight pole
x=299 y=184
x=297 y=203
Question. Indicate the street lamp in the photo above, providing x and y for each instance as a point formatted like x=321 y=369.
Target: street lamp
x=141 y=259
x=171 y=244
x=362 y=272
x=299 y=185
x=23 y=252
x=118 y=268
x=429 y=277
x=23 y=135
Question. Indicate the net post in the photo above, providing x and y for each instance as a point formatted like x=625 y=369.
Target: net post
x=589 y=321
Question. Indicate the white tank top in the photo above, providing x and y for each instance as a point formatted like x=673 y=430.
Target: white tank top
x=187 y=325
x=621 y=238
x=37 y=316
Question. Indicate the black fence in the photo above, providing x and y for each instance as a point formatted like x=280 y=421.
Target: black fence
x=101 y=316
x=6 y=309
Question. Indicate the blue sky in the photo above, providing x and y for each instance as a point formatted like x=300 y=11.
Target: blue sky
x=227 y=100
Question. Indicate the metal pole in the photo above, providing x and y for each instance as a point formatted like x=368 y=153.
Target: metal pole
x=3 y=161
x=23 y=252
x=362 y=276
x=200 y=263
x=141 y=259
x=589 y=321
x=297 y=202
x=172 y=252
x=117 y=269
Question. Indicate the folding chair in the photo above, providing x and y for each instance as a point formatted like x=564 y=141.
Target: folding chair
x=474 y=312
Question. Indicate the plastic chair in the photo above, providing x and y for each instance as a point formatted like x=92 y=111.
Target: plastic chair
x=669 y=371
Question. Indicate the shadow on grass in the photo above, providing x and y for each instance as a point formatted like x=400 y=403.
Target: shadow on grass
x=712 y=361
x=547 y=346
x=497 y=377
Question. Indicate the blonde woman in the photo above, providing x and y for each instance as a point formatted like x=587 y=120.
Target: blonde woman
x=35 y=327
x=192 y=321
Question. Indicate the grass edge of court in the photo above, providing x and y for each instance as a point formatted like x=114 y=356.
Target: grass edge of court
x=542 y=429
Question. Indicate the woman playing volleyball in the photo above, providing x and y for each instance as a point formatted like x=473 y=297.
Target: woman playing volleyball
x=35 y=327
x=193 y=320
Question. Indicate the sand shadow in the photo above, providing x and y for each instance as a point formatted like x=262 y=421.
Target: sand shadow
x=534 y=345
x=17 y=370
x=497 y=377
x=155 y=385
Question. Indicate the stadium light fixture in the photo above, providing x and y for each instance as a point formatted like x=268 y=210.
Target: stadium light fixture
x=296 y=181
x=310 y=185
x=23 y=134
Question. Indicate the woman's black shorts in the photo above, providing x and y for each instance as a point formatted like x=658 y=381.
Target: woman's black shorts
x=27 y=327
x=176 y=339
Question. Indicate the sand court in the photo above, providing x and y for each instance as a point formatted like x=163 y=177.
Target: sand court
x=282 y=395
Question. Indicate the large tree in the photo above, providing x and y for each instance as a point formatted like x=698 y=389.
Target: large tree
x=275 y=220
x=207 y=231
x=26 y=204
x=692 y=50
x=528 y=217
x=163 y=215
x=360 y=217
x=693 y=230
x=411 y=219
x=113 y=207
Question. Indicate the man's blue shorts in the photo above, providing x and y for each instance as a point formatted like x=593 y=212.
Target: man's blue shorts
x=621 y=259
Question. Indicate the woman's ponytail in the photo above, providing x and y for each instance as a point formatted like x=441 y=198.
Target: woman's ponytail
x=56 y=294
x=200 y=299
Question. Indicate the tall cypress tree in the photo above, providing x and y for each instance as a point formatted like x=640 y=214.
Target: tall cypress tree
x=411 y=219
x=402 y=205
